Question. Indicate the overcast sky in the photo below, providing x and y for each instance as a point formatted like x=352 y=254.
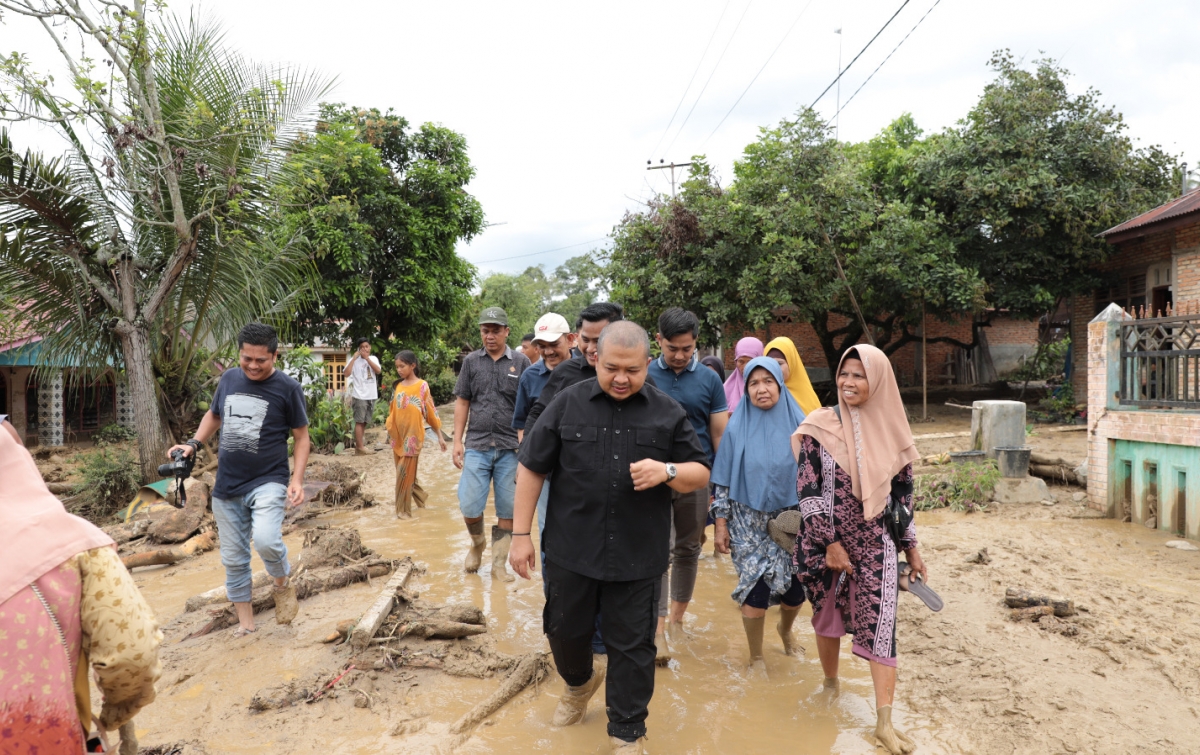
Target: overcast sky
x=563 y=103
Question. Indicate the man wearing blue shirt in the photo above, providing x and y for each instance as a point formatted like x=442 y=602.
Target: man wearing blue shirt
x=554 y=340
x=699 y=391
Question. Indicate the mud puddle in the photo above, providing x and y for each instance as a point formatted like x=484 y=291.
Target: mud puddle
x=704 y=702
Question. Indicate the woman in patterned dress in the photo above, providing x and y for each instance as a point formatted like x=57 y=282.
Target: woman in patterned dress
x=410 y=410
x=68 y=607
x=851 y=463
x=752 y=475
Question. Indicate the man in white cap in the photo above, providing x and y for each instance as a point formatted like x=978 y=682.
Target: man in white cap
x=553 y=337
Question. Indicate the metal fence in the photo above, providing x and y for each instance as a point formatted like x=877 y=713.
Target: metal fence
x=1160 y=362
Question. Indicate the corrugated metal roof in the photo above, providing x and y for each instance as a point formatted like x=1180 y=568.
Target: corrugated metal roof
x=1184 y=205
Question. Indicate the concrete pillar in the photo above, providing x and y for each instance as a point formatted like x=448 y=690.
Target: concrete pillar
x=1103 y=350
x=124 y=407
x=997 y=423
x=50 y=409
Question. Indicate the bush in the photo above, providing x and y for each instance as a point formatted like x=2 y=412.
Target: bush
x=113 y=433
x=110 y=481
x=1059 y=406
x=442 y=387
x=966 y=487
x=1048 y=362
x=330 y=424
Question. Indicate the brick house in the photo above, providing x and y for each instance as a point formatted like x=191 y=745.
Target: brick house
x=1010 y=340
x=1141 y=371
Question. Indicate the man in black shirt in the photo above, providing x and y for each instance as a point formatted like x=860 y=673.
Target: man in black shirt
x=616 y=449
x=582 y=364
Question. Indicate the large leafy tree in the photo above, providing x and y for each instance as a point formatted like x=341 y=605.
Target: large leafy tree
x=1030 y=176
x=382 y=208
x=802 y=227
x=146 y=241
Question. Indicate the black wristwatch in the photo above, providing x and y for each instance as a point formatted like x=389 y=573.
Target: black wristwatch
x=672 y=470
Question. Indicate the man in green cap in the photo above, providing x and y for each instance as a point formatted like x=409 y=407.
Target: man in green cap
x=487 y=392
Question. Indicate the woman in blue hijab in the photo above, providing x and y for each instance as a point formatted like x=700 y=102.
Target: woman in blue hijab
x=755 y=480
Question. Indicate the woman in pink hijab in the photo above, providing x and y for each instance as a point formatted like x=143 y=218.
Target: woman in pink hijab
x=735 y=385
x=67 y=606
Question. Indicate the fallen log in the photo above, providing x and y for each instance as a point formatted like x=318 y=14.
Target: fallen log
x=1032 y=613
x=1017 y=598
x=123 y=533
x=198 y=544
x=439 y=630
x=1054 y=473
x=530 y=670
x=462 y=613
x=217 y=594
x=307 y=585
x=370 y=622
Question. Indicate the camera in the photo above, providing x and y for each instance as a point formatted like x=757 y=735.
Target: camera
x=181 y=469
x=181 y=466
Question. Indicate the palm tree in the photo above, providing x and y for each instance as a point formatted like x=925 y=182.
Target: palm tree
x=151 y=235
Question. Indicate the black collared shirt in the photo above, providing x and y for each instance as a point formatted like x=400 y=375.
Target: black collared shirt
x=491 y=387
x=597 y=525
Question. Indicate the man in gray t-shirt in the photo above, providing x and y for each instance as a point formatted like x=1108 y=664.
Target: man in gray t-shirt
x=485 y=443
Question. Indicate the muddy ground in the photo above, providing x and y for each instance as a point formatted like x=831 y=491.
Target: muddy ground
x=1121 y=676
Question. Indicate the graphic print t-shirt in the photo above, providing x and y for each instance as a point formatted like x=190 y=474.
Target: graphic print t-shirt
x=256 y=419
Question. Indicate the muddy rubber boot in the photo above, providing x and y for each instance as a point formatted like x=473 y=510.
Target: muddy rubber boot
x=621 y=747
x=887 y=737
x=573 y=703
x=286 y=604
x=478 y=543
x=501 y=542
x=787 y=616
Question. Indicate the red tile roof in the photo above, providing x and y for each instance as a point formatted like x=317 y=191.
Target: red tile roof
x=1185 y=205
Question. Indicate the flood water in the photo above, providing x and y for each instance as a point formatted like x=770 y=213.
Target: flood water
x=705 y=702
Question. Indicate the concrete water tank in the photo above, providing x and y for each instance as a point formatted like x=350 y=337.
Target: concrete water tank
x=997 y=423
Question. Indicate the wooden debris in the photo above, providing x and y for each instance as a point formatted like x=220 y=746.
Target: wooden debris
x=329 y=686
x=218 y=595
x=1032 y=613
x=123 y=533
x=307 y=585
x=198 y=544
x=344 y=628
x=181 y=524
x=439 y=630
x=1017 y=598
x=370 y=622
x=531 y=669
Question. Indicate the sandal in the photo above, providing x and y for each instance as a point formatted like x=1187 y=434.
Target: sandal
x=242 y=632
x=917 y=586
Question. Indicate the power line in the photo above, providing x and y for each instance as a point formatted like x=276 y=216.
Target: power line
x=889 y=55
x=710 y=76
x=760 y=70
x=544 y=251
x=688 y=88
x=856 y=57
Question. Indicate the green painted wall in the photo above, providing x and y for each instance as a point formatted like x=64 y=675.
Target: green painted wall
x=1140 y=472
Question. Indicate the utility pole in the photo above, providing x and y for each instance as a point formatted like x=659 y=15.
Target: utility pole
x=837 y=113
x=672 y=166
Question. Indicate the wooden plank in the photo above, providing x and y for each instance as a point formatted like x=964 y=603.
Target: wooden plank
x=935 y=436
x=370 y=622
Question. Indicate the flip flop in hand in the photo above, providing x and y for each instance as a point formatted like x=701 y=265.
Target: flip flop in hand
x=914 y=584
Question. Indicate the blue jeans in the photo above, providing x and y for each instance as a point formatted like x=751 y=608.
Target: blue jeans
x=495 y=468
x=257 y=516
